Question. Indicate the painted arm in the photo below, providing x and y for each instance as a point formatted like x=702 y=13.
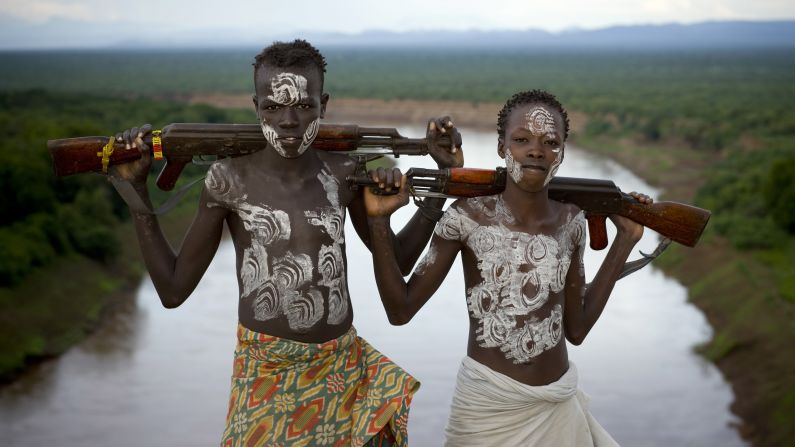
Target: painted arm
x=412 y=238
x=174 y=274
x=585 y=303
x=402 y=300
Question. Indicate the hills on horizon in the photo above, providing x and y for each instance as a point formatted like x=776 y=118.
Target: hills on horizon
x=714 y=34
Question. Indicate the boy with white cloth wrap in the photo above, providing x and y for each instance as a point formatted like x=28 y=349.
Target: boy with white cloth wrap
x=522 y=255
x=490 y=408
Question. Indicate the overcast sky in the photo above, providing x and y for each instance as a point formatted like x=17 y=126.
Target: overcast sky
x=43 y=23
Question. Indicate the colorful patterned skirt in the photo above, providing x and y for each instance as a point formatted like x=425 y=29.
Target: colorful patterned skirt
x=339 y=393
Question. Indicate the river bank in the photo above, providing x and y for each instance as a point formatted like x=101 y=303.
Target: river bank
x=753 y=327
x=750 y=334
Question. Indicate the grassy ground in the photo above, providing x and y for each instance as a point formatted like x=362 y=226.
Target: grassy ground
x=58 y=305
x=744 y=295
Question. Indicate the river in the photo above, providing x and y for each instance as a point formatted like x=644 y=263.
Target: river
x=160 y=377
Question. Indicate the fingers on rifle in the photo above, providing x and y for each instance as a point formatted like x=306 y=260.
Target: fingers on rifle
x=145 y=129
x=126 y=137
x=134 y=136
x=396 y=177
x=381 y=176
x=441 y=124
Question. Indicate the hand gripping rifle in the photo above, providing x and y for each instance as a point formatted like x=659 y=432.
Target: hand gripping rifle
x=180 y=143
x=597 y=198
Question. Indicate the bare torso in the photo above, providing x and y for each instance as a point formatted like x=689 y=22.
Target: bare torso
x=288 y=232
x=515 y=275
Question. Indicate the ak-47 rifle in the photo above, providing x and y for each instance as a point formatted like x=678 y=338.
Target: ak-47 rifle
x=598 y=198
x=180 y=143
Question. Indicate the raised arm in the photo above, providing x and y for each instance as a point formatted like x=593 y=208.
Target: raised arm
x=412 y=238
x=174 y=274
x=585 y=303
x=402 y=300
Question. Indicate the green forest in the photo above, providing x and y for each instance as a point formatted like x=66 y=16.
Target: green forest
x=726 y=116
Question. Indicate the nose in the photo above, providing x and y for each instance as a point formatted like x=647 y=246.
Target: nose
x=534 y=150
x=289 y=118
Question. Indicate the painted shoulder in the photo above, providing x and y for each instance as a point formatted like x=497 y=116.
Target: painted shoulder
x=456 y=223
x=341 y=165
x=223 y=181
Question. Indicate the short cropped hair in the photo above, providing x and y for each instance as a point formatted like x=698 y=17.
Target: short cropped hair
x=286 y=54
x=531 y=97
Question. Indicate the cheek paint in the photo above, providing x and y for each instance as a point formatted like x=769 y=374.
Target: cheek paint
x=309 y=136
x=514 y=168
x=553 y=168
x=271 y=137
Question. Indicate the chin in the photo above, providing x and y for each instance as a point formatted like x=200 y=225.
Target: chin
x=533 y=188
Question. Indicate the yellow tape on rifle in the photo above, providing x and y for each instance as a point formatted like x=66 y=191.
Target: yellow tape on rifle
x=157 y=144
x=105 y=155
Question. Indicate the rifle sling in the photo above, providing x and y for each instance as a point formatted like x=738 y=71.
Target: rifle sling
x=137 y=205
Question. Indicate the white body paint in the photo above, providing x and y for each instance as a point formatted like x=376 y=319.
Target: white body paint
x=331 y=263
x=284 y=286
x=427 y=260
x=519 y=271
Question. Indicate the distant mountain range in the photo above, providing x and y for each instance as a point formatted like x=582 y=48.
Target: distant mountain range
x=725 y=34
x=701 y=35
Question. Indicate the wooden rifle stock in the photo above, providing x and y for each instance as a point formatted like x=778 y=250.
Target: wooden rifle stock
x=181 y=142
x=597 y=198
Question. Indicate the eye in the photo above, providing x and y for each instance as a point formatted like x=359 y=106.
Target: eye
x=520 y=140
x=553 y=143
x=271 y=108
x=304 y=106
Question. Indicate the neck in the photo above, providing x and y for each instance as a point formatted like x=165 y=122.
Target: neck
x=526 y=205
x=273 y=162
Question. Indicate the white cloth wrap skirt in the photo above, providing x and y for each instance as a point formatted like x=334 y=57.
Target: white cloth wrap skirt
x=492 y=409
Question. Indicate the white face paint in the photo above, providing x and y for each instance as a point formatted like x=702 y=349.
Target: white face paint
x=540 y=122
x=514 y=168
x=288 y=89
x=273 y=139
x=519 y=271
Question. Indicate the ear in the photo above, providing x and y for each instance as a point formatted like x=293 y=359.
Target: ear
x=501 y=147
x=256 y=104
x=562 y=152
x=323 y=101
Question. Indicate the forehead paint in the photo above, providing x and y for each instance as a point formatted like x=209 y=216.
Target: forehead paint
x=540 y=122
x=514 y=168
x=288 y=89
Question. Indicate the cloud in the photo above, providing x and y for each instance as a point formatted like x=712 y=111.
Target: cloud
x=41 y=11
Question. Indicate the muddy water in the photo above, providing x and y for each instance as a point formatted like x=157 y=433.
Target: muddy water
x=161 y=377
